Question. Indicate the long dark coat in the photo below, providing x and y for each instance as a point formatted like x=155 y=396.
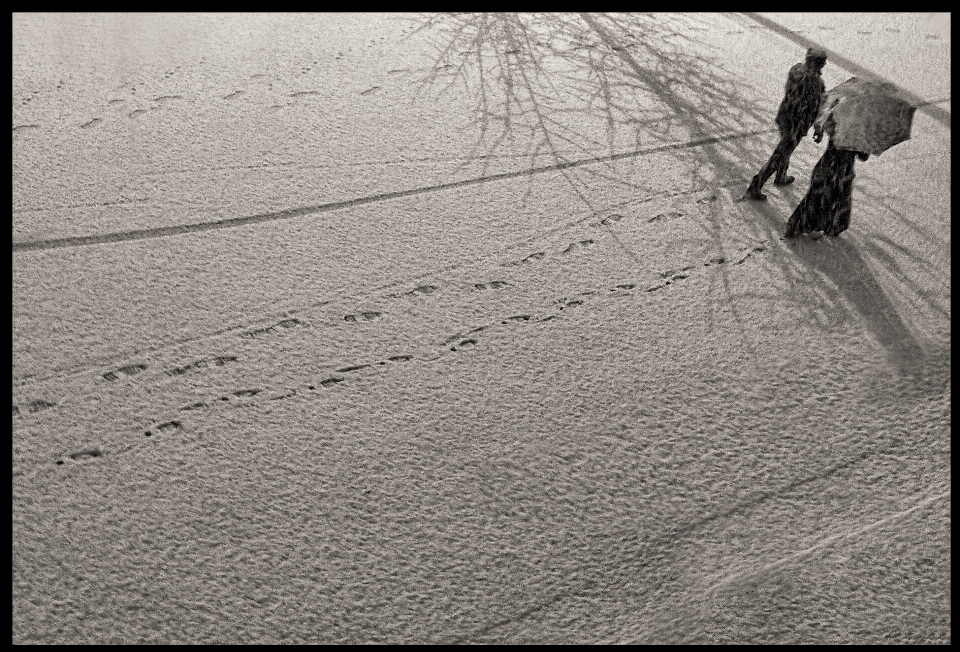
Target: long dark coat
x=801 y=100
x=827 y=204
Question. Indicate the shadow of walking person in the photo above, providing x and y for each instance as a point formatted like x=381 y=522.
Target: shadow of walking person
x=840 y=260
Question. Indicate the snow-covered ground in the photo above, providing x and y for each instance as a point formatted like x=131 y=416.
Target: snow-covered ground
x=308 y=349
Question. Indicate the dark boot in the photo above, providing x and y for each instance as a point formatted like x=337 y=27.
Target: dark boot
x=783 y=181
x=753 y=192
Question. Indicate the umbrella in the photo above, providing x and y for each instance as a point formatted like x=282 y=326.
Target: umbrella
x=865 y=115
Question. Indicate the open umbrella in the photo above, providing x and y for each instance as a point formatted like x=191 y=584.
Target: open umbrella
x=865 y=115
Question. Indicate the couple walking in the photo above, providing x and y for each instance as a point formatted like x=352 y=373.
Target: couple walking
x=826 y=207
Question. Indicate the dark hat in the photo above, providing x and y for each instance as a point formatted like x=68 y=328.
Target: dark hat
x=816 y=54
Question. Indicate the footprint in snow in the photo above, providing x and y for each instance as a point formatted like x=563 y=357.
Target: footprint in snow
x=569 y=303
x=164 y=427
x=664 y=216
x=423 y=289
x=284 y=323
x=532 y=258
x=129 y=370
x=576 y=246
x=351 y=368
x=34 y=406
x=83 y=455
x=329 y=382
x=217 y=361
x=675 y=274
x=492 y=285
x=370 y=315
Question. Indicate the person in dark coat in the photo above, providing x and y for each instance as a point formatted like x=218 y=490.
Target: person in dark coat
x=798 y=110
x=826 y=206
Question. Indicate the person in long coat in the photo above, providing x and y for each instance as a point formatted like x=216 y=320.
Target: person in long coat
x=827 y=204
x=801 y=102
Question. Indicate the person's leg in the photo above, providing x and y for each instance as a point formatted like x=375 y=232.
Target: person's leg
x=784 y=148
x=840 y=220
x=789 y=144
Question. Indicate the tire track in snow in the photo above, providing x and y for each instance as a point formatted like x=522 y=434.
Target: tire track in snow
x=463 y=343
x=932 y=496
x=606 y=221
x=585 y=588
x=183 y=229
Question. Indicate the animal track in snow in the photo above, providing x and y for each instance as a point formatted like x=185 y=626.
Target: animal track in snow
x=129 y=370
x=233 y=95
x=611 y=219
x=87 y=125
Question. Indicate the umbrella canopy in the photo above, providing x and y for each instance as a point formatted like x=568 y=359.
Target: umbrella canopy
x=865 y=115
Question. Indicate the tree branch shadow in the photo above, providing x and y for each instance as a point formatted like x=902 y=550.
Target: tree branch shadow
x=567 y=88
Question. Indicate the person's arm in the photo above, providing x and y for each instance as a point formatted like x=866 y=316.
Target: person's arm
x=819 y=127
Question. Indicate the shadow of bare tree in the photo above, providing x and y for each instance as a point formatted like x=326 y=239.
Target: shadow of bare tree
x=570 y=88
x=583 y=94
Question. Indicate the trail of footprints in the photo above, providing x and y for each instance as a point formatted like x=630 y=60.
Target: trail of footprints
x=455 y=343
x=129 y=89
